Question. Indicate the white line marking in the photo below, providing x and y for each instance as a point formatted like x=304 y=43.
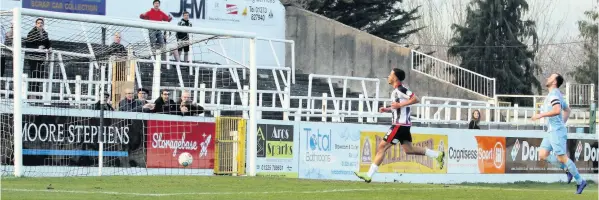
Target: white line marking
x=277 y=192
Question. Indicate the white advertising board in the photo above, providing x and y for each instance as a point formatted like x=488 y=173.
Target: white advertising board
x=328 y=151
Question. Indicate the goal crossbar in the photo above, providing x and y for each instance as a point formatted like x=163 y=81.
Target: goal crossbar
x=138 y=23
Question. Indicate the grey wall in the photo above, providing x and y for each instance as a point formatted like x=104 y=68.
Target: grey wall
x=324 y=46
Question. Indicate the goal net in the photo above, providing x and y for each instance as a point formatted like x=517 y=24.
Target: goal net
x=106 y=96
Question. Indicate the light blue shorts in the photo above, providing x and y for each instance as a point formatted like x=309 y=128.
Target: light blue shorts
x=555 y=141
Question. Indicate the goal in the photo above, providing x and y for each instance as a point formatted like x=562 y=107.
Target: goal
x=86 y=95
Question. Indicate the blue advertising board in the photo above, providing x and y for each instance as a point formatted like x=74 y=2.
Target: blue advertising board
x=90 y=7
x=328 y=151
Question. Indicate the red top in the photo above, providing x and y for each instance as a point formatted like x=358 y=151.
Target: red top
x=155 y=15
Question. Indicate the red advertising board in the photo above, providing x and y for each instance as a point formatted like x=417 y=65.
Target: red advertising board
x=166 y=140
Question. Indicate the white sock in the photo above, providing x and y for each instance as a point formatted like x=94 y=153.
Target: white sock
x=372 y=170
x=431 y=153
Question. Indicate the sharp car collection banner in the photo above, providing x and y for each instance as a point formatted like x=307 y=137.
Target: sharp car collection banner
x=90 y=7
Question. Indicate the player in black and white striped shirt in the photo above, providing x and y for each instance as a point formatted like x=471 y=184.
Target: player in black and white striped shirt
x=401 y=99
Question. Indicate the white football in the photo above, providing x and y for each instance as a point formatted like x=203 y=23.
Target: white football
x=185 y=159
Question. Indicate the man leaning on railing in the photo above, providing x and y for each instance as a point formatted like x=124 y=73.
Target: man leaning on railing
x=187 y=107
x=106 y=105
x=129 y=104
x=164 y=104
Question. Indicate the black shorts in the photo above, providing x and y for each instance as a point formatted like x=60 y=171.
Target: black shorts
x=184 y=48
x=184 y=45
x=398 y=134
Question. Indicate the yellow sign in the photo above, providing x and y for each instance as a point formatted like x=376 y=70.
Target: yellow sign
x=279 y=149
x=278 y=174
x=395 y=160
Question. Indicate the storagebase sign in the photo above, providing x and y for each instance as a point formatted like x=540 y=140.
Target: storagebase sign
x=166 y=140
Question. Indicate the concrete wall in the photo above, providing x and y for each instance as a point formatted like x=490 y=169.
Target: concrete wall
x=324 y=46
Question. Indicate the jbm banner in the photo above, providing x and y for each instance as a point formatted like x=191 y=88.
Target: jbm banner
x=276 y=151
x=329 y=151
x=73 y=141
x=90 y=7
x=469 y=154
x=166 y=140
x=395 y=160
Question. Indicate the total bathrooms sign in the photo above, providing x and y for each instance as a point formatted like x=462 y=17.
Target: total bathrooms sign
x=329 y=151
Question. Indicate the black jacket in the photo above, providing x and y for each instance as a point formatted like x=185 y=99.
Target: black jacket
x=180 y=35
x=473 y=125
x=169 y=107
x=193 y=109
x=35 y=39
x=107 y=107
x=115 y=49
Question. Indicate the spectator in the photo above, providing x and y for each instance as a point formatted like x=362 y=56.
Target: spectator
x=106 y=105
x=188 y=108
x=5 y=54
x=115 y=49
x=183 y=38
x=130 y=104
x=37 y=38
x=175 y=53
x=155 y=14
x=475 y=120
x=142 y=95
x=164 y=104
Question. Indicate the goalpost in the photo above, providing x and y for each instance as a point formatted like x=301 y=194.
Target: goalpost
x=21 y=108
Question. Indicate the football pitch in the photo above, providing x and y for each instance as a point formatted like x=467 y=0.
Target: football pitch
x=221 y=187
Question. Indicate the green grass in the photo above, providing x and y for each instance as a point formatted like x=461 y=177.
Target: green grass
x=218 y=187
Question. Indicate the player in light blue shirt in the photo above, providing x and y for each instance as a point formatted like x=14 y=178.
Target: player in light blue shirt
x=556 y=111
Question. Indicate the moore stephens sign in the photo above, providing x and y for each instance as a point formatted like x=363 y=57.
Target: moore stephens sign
x=74 y=141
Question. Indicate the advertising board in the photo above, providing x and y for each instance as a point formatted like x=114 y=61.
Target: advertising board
x=264 y=18
x=275 y=151
x=395 y=160
x=166 y=140
x=476 y=154
x=90 y=7
x=584 y=155
x=74 y=141
x=329 y=151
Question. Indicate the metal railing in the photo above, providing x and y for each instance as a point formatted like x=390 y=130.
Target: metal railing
x=64 y=95
x=580 y=94
x=453 y=74
x=340 y=104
